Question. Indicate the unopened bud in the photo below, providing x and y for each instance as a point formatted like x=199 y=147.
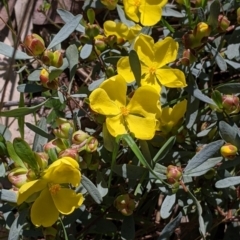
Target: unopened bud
x=174 y=173
x=110 y=5
x=50 y=233
x=211 y=173
x=125 y=204
x=53 y=85
x=202 y=30
x=69 y=152
x=56 y=144
x=42 y=159
x=92 y=30
x=34 y=45
x=100 y=45
x=188 y=57
x=31 y=175
x=84 y=39
x=44 y=76
x=47 y=57
x=91 y=144
x=79 y=136
x=18 y=176
x=229 y=151
x=57 y=59
x=223 y=23
x=63 y=130
x=230 y=104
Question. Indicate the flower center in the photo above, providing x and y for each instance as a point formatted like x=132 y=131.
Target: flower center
x=124 y=111
x=54 y=188
x=152 y=70
x=137 y=3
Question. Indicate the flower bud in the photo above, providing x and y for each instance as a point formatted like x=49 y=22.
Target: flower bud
x=79 y=136
x=223 y=23
x=211 y=173
x=92 y=30
x=18 y=176
x=55 y=143
x=50 y=233
x=91 y=144
x=230 y=104
x=51 y=85
x=44 y=76
x=100 y=45
x=110 y=71
x=63 y=130
x=124 y=204
x=188 y=57
x=42 y=159
x=229 y=151
x=31 y=175
x=112 y=40
x=84 y=39
x=47 y=57
x=69 y=152
x=57 y=59
x=110 y=5
x=34 y=45
x=174 y=173
x=201 y=30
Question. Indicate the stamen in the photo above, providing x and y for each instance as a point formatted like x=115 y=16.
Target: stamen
x=54 y=188
x=124 y=111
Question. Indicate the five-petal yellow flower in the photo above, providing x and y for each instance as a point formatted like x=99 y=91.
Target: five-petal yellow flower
x=52 y=197
x=137 y=116
x=153 y=58
x=147 y=12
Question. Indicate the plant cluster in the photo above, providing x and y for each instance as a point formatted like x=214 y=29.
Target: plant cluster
x=146 y=144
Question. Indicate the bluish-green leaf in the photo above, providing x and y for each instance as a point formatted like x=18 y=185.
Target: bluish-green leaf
x=34 y=76
x=227 y=182
x=8 y=195
x=128 y=228
x=199 y=95
x=135 y=66
x=101 y=184
x=219 y=59
x=30 y=88
x=170 y=227
x=123 y=18
x=95 y=84
x=92 y=189
x=86 y=50
x=203 y=155
x=214 y=13
x=8 y=51
x=167 y=11
x=167 y=206
x=72 y=57
x=4 y=131
x=65 y=31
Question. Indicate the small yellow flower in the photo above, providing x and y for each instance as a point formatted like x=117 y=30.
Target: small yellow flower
x=147 y=12
x=110 y=4
x=153 y=58
x=53 y=198
x=137 y=116
x=170 y=117
x=121 y=30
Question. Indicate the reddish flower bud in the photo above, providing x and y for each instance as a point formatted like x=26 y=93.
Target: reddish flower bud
x=63 y=130
x=188 y=57
x=174 y=173
x=229 y=151
x=230 y=104
x=79 y=136
x=47 y=57
x=57 y=59
x=34 y=45
x=55 y=143
x=44 y=76
x=51 y=85
x=69 y=152
x=91 y=144
x=124 y=204
x=223 y=23
x=18 y=176
x=42 y=159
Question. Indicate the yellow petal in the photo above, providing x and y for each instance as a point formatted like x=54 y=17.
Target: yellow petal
x=165 y=51
x=145 y=102
x=150 y=79
x=131 y=10
x=120 y=30
x=66 y=200
x=112 y=84
x=29 y=188
x=133 y=32
x=166 y=115
x=150 y=14
x=124 y=69
x=179 y=110
x=101 y=103
x=172 y=78
x=142 y=128
x=144 y=48
x=116 y=125
x=63 y=173
x=66 y=160
x=43 y=211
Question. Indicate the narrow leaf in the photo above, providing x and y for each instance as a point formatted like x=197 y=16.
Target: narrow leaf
x=227 y=182
x=203 y=155
x=167 y=205
x=72 y=57
x=214 y=13
x=8 y=195
x=29 y=88
x=65 y=31
x=135 y=66
x=199 y=95
x=128 y=228
x=86 y=50
x=38 y=130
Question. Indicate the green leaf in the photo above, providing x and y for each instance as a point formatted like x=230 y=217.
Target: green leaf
x=135 y=66
x=68 y=17
x=8 y=51
x=128 y=228
x=214 y=13
x=129 y=171
x=229 y=88
x=203 y=155
x=34 y=76
x=95 y=84
x=167 y=206
x=38 y=130
x=86 y=50
x=24 y=151
x=108 y=139
x=101 y=184
x=227 y=182
x=8 y=195
x=199 y=95
x=13 y=155
x=72 y=57
x=92 y=190
x=4 y=131
x=65 y=31
x=167 y=11
x=170 y=228
x=30 y=88
x=230 y=134
x=91 y=15
x=52 y=153
x=123 y=18
x=19 y=112
x=217 y=98
x=203 y=168
x=219 y=59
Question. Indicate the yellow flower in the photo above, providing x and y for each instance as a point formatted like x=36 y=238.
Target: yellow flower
x=121 y=30
x=147 y=12
x=170 y=117
x=110 y=4
x=52 y=197
x=153 y=58
x=137 y=116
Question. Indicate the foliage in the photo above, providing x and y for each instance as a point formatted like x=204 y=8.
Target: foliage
x=147 y=144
